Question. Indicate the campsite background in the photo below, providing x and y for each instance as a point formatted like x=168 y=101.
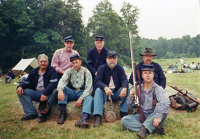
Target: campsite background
x=31 y=27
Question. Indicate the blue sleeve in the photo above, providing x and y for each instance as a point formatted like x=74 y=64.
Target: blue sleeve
x=27 y=82
x=52 y=83
x=162 y=78
x=124 y=81
x=99 y=78
x=89 y=63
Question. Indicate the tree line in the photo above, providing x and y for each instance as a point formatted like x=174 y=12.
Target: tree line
x=32 y=27
x=174 y=48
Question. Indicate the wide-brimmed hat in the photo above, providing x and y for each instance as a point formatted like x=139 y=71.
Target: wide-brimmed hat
x=148 y=51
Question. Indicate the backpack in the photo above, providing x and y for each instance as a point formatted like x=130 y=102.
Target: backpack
x=182 y=102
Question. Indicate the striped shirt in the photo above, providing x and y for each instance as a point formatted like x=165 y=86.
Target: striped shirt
x=61 y=62
x=162 y=101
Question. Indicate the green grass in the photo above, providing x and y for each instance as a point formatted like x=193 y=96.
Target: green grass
x=179 y=124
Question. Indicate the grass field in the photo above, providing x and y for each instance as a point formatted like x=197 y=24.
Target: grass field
x=179 y=124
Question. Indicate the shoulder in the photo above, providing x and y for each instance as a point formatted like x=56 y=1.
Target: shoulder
x=102 y=67
x=158 y=88
x=74 y=51
x=91 y=50
x=58 y=51
x=105 y=49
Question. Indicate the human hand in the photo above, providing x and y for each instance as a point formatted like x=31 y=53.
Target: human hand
x=95 y=74
x=123 y=92
x=132 y=93
x=108 y=91
x=78 y=103
x=20 y=91
x=62 y=72
x=156 y=121
x=43 y=98
x=61 y=95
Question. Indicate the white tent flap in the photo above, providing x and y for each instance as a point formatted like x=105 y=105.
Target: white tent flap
x=24 y=63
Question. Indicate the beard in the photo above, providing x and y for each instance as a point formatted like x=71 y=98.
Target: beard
x=112 y=65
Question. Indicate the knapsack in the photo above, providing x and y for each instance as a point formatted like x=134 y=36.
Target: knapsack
x=182 y=102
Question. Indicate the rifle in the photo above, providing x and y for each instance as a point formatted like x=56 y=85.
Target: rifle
x=137 y=93
x=185 y=94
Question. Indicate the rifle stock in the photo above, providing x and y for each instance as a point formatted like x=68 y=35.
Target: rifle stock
x=185 y=94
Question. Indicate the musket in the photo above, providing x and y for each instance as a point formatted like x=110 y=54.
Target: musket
x=137 y=93
x=185 y=94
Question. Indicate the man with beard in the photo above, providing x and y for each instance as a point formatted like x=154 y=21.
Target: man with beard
x=159 y=76
x=110 y=81
x=96 y=56
x=154 y=103
x=39 y=86
x=61 y=57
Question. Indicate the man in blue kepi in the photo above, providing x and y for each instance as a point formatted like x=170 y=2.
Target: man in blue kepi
x=111 y=80
x=96 y=56
x=154 y=103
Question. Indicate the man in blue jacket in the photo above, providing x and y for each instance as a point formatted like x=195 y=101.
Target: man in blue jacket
x=96 y=56
x=110 y=81
x=39 y=86
x=159 y=76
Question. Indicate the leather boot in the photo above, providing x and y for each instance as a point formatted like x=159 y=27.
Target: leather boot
x=97 y=121
x=142 y=133
x=62 y=118
x=82 y=123
x=159 y=130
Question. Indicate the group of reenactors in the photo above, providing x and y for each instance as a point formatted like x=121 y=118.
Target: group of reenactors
x=66 y=80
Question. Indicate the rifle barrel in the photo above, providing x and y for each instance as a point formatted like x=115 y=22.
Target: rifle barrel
x=175 y=88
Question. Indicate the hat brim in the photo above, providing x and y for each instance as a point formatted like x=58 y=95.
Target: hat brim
x=143 y=54
x=69 y=41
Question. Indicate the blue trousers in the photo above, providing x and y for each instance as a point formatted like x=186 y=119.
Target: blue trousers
x=99 y=100
x=9 y=79
x=73 y=95
x=30 y=95
x=132 y=122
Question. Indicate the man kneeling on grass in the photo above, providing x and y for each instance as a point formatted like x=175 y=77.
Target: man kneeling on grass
x=76 y=84
x=39 y=86
x=155 y=113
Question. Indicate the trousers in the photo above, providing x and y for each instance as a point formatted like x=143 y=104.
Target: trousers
x=132 y=122
x=30 y=95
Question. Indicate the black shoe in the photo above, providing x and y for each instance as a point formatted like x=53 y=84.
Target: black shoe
x=62 y=118
x=29 y=117
x=122 y=114
x=41 y=119
x=159 y=130
x=82 y=123
x=97 y=121
x=142 y=133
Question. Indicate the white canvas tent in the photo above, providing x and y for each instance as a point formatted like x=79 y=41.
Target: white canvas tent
x=24 y=63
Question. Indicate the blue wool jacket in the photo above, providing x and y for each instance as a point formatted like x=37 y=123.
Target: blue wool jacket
x=104 y=74
x=159 y=77
x=49 y=78
x=95 y=60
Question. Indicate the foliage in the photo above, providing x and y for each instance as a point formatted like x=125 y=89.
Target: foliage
x=174 y=48
x=31 y=27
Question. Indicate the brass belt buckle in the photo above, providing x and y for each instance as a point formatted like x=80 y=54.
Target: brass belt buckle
x=77 y=89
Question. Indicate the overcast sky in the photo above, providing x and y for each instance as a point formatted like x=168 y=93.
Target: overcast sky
x=158 y=18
